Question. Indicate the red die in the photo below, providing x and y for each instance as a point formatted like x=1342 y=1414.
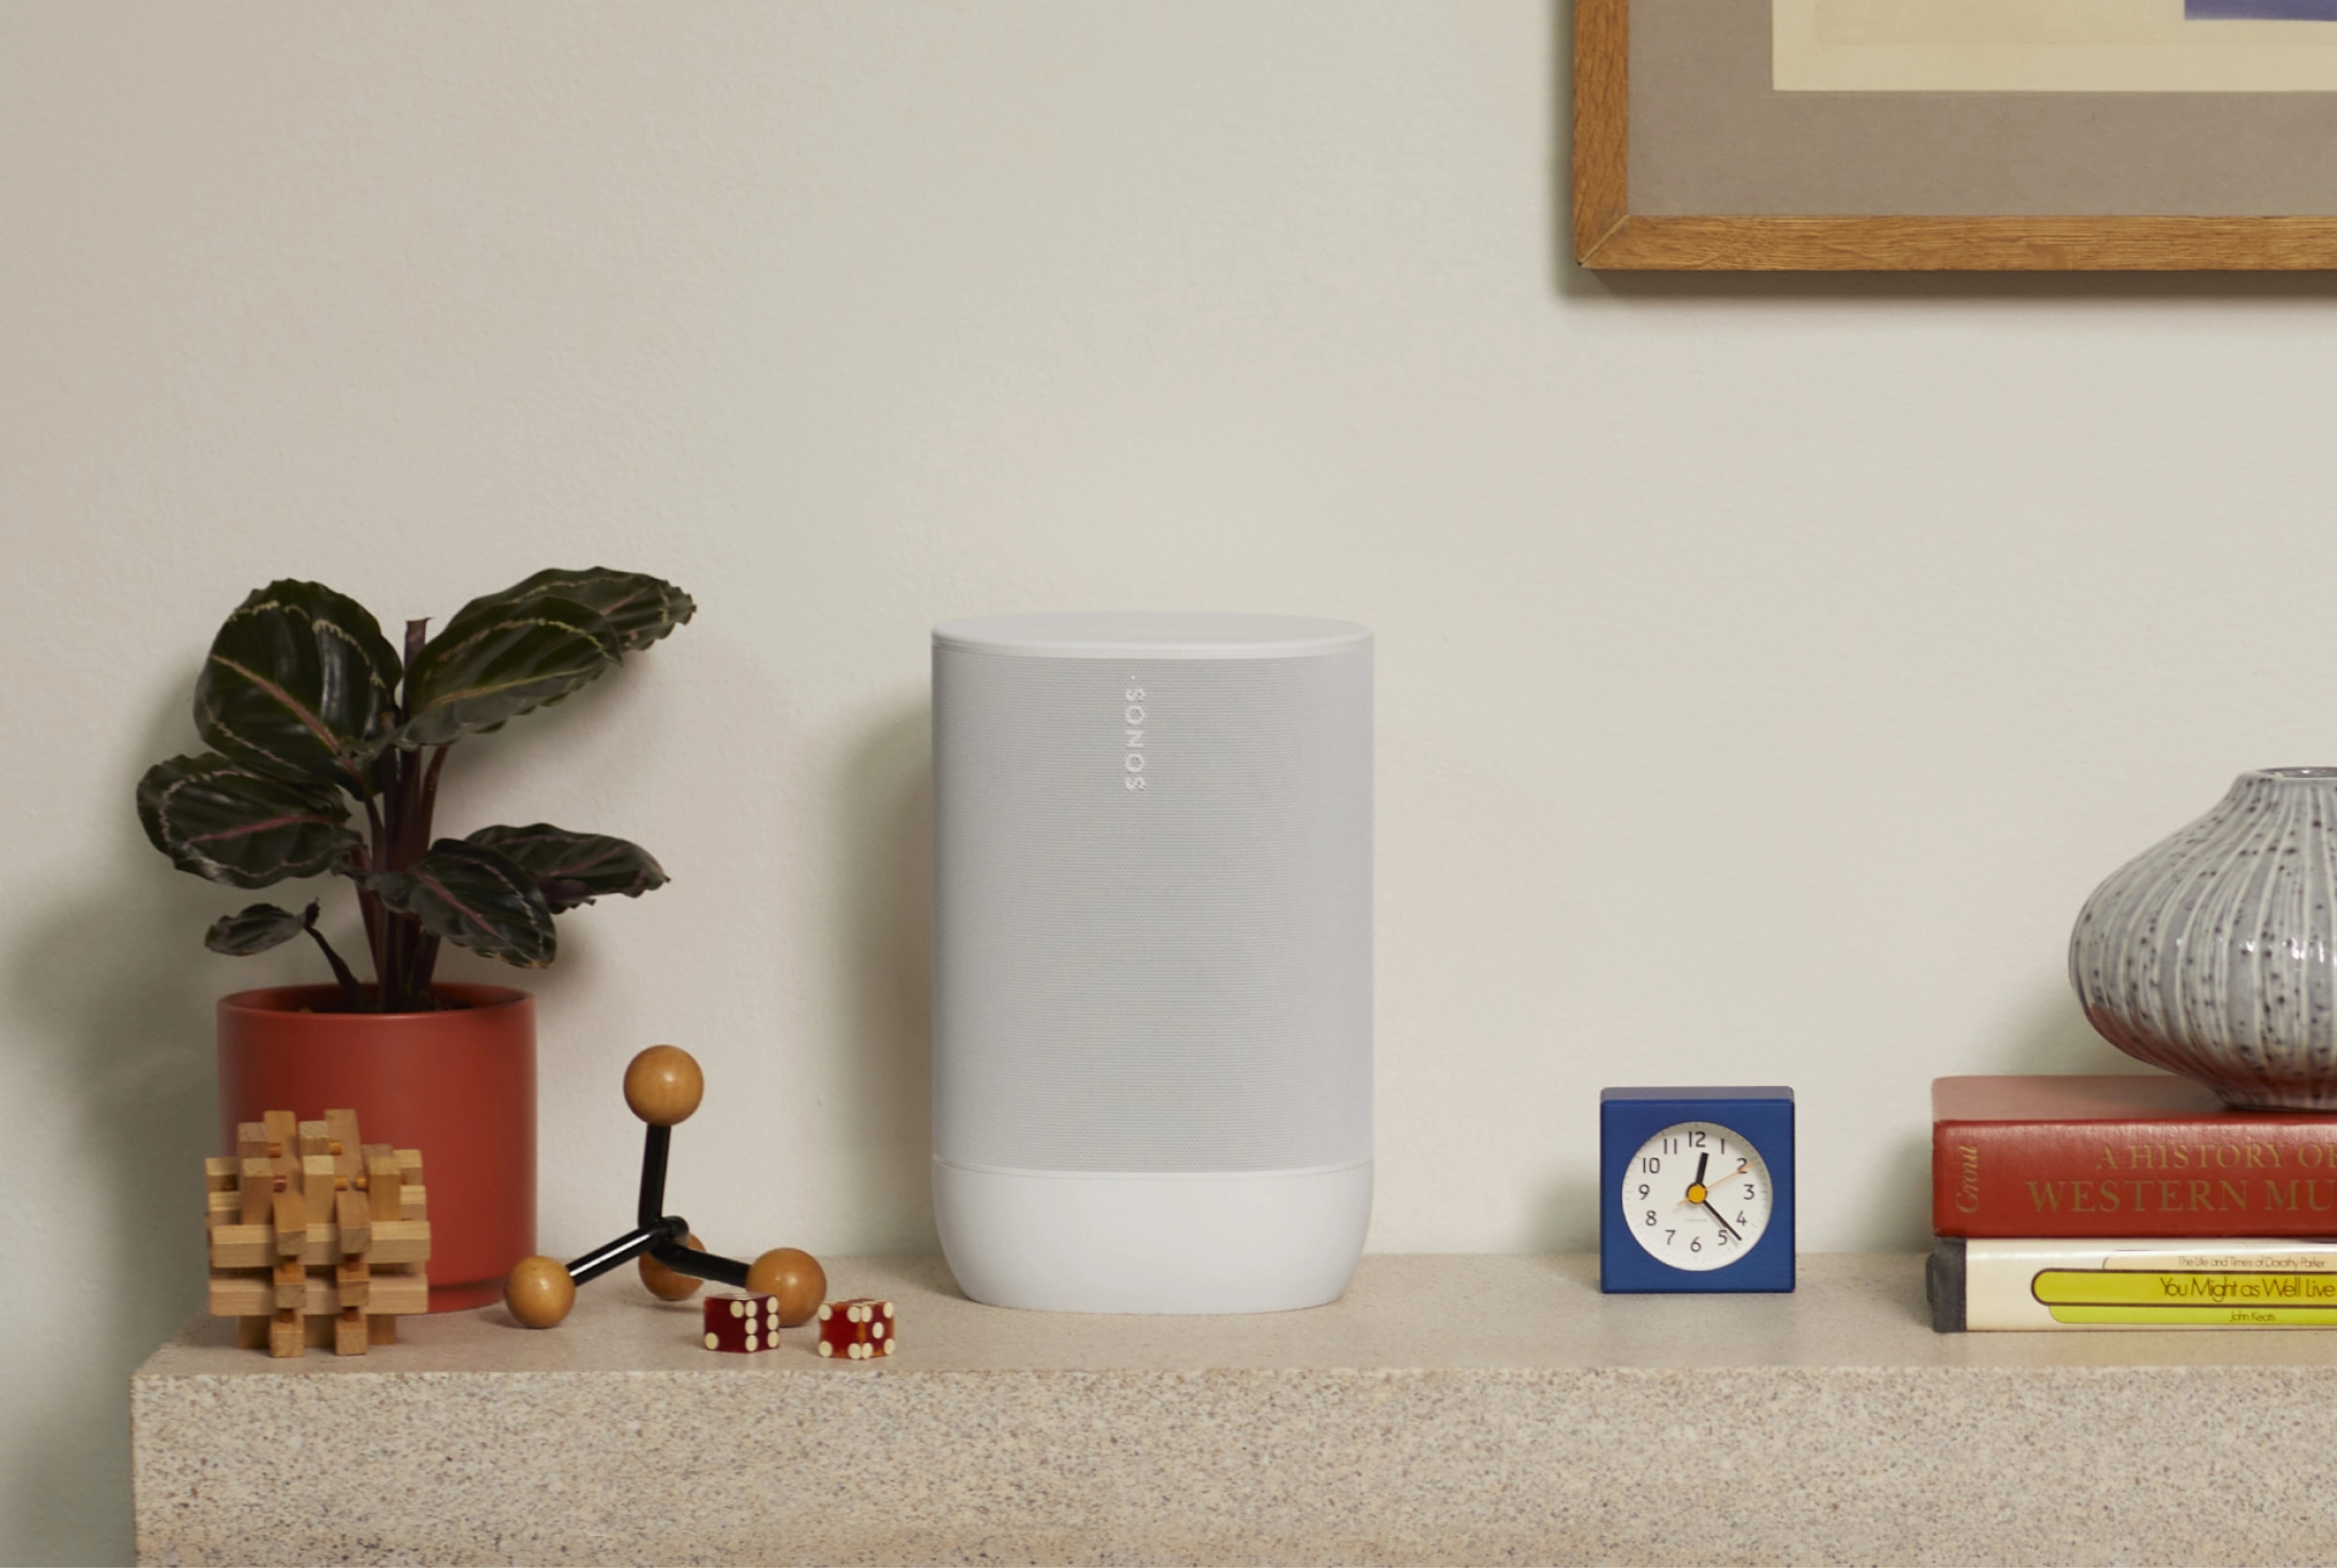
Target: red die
x=742 y=1322
x=856 y=1329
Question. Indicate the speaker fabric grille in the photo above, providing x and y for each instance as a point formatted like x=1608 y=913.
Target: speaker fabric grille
x=1153 y=945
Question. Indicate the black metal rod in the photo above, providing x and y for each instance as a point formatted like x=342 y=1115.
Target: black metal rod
x=653 y=1157
x=700 y=1265
x=631 y=1244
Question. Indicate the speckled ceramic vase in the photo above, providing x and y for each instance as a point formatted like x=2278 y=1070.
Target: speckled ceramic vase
x=2211 y=954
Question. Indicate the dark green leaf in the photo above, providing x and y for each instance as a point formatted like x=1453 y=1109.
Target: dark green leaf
x=255 y=930
x=573 y=869
x=476 y=898
x=495 y=664
x=231 y=823
x=298 y=684
x=642 y=609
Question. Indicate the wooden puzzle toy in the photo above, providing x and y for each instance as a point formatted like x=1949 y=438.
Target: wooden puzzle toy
x=663 y=1086
x=315 y=1236
x=856 y=1329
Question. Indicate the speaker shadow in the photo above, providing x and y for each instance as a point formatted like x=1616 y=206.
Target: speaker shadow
x=884 y=905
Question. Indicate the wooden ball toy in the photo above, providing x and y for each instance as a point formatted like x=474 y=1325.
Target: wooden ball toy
x=539 y=1291
x=794 y=1277
x=663 y=1085
x=665 y=1283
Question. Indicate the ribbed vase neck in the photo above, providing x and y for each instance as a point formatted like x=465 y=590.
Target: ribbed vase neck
x=2259 y=786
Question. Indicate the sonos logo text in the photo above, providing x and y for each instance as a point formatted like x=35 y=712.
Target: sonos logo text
x=1132 y=716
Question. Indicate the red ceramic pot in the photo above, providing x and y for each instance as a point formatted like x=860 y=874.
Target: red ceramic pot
x=459 y=1085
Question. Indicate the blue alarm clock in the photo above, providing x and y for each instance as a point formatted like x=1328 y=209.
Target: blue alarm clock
x=1696 y=1190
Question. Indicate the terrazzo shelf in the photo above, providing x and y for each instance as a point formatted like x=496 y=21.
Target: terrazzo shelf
x=1448 y=1410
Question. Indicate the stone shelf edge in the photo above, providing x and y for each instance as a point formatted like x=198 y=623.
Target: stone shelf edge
x=1449 y=1409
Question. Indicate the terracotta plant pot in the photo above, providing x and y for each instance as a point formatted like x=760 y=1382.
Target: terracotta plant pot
x=459 y=1085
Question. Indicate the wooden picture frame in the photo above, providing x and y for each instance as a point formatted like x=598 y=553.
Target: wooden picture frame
x=1609 y=233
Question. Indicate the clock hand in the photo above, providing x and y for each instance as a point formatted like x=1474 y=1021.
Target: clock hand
x=1742 y=1167
x=1695 y=1189
x=1724 y=1224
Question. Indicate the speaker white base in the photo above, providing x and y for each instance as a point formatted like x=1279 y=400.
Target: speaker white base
x=1089 y=1241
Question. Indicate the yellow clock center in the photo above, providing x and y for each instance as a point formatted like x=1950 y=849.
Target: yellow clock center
x=1695 y=1194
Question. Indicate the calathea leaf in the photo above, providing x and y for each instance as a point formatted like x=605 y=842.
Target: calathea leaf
x=476 y=898
x=492 y=664
x=256 y=928
x=219 y=819
x=300 y=684
x=641 y=608
x=571 y=867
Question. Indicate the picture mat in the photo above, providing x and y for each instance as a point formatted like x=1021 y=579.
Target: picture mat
x=2041 y=47
x=1710 y=136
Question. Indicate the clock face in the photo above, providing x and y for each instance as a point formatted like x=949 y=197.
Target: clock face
x=1697 y=1195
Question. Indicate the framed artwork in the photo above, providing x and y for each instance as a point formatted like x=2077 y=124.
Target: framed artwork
x=1963 y=135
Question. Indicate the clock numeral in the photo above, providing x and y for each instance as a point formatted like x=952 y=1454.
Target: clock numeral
x=1748 y=1190
x=1741 y=1218
x=1695 y=1140
x=1644 y=1189
x=1667 y=1237
x=1651 y=1216
x=1723 y=1238
x=1651 y=1165
x=1695 y=1244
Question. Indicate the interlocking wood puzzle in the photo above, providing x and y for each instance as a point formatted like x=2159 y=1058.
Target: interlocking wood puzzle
x=316 y=1237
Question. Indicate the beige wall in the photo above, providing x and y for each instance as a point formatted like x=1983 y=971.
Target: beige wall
x=1767 y=670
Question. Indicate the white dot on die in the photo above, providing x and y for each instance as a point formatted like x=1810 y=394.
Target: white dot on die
x=826 y=1349
x=737 y=1309
x=826 y=1312
x=752 y=1342
x=712 y=1343
x=877 y=1332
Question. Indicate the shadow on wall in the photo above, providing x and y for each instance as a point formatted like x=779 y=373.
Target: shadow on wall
x=2055 y=1038
x=115 y=992
x=884 y=882
x=1566 y=1218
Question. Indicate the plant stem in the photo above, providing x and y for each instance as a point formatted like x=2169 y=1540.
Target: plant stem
x=425 y=964
x=352 y=993
x=430 y=790
x=377 y=917
x=423 y=958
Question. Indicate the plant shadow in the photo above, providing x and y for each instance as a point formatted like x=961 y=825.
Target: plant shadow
x=118 y=990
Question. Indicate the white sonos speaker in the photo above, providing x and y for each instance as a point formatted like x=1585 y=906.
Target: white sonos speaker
x=1153 y=959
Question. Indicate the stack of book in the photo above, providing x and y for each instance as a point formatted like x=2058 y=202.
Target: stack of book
x=2127 y=1202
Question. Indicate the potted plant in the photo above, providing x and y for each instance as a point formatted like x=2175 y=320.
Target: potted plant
x=327 y=744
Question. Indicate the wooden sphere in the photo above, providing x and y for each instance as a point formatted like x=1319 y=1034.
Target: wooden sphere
x=794 y=1277
x=671 y=1284
x=539 y=1291
x=663 y=1085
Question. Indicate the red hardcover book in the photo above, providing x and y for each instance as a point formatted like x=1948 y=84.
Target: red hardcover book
x=2145 y=1155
